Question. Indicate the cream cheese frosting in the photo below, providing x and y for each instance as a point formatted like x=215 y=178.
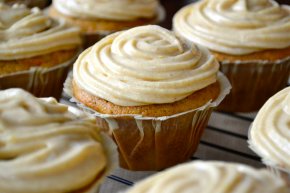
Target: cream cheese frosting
x=26 y=33
x=120 y=10
x=270 y=132
x=235 y=27
x=44 y=148
x=144 y=65
x=209 y=177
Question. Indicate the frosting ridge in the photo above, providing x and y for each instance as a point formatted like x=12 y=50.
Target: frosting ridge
x=208 y=177
x=269 y=135
x=26 y=33
x=144 y=65
x=235 y=27
x=44 y=147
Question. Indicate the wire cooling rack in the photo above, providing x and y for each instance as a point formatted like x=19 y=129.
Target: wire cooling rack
x=225 y=138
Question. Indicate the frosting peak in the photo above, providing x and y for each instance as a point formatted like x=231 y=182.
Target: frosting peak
x=235 y=27
x=144 y=65
x=26 y=33
x=123 y=10
x=269 y=135
x=44 y=146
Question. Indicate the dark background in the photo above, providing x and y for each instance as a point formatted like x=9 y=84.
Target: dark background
x=172 y=6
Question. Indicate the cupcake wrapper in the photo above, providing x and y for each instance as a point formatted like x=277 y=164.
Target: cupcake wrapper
x=90 y=39
x=155 y=143
x=41 y=82
x=253 y=83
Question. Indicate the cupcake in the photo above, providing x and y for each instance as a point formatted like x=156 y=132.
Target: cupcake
x=98 y=18
x=30 y=3
x=249 y=38
x=151 y=92
x=208 y=177
x=36 y=51
x=47 y=147
x=269 y=134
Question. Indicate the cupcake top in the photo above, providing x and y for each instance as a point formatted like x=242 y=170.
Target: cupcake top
x=209 y=177
x=269 y=135
x=235 y=27
x=120 y=10
x=144 y=65
x=25 y=33
x=44 y=147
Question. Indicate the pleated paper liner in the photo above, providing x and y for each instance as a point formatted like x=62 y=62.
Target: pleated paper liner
x=41 y=82
x=253 y=83
x=155 y=143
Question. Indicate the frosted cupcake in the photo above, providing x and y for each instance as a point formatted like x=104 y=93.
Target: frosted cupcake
x=208 y=177
x=269 y=135
x=251 y=40
x=47 y=147
x=98 y=18
x=151 y=92
x=35 y=51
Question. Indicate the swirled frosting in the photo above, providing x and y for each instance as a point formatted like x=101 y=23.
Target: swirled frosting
x=144 y=65
x=236 y=27
x=209 y=177
x=44 y=148
x=120 y=10
x=270 y=132
x=26 y=33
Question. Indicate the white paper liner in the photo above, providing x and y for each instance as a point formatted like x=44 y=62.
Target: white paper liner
x=253 y=82
x=110 y=151
x=42 y=82
x=274 y=168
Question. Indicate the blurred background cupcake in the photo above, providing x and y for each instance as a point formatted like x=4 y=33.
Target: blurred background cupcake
x=35 y=51
x=151 y=92
x=29 y=3
x=269 y=135
x=98 y=18
x=49 y=147
x=209 y=177
x=250 y=39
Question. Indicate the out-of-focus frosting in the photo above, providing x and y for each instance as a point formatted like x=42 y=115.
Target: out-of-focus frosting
x=122 y=10
x=44 y=148
x=235 y=27
x=270 y=132
x=26 y=33
x=144 y=65
x=209 y=177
